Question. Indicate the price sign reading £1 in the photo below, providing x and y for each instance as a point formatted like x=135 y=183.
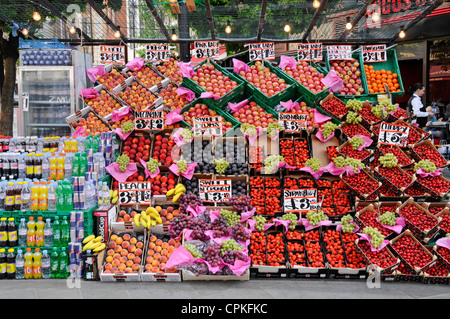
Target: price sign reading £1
x=157 y=52
x=214 y=190
x=149 y=121
x=309 y=52
x=132 y=193
x=393 y=134
x=261 y=51
x=300 y=200
x=293 y=122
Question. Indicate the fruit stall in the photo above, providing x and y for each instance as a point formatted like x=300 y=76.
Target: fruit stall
x=295 y=170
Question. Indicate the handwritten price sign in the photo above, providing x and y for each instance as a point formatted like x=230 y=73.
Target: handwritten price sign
x=112 y=54
x=207 y=125
x=392 y=134
x=206 y=49
x=300 y=200
x=149 y=121
x=157 y=52
x=215 y=190
x=374 y=53
x=309 y=52
x=132 y=193
x=261 y=51
x=339 y=52
x=293 y=122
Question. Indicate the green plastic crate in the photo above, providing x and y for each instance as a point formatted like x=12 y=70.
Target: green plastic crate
x=392 y=65
x=237 y=91
x=357 y=56
x=262 y=99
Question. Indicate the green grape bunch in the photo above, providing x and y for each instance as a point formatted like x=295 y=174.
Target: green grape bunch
x=314 y=163
x=127 y=127
x=250 y=129
x=346 y=225
x=328 y=129
x=230 y=245
x=388 y=218
x=152 y=164
x=353 y=118
x=272 y=128
x=388 y=106
x=356 y=142
x=292 y=217
x=427 y=165
x=186 y=134
x=231 y=217
x=388 y=160
x=376 y=238
x=193 y=250
x=378 y=111
x=339 y=161
x=354 y=104
x=123 y=161
x=221 y=165
x=355 y=163
x=271 y=162
x=314 y=217
x=260 y=222
x=182 y=165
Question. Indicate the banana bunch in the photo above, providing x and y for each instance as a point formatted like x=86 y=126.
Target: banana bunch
x=147 y=218
x=114 y=196
x=176 y=192
x=93 y=243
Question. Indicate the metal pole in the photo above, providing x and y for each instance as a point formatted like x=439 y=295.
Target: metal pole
x=183 y=32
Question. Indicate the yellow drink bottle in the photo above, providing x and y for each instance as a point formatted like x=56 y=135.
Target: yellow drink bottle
x=52 y=167
x=35 y=196
x=60 y=166
x=31 y=233
x=43 y=196
x=28 y=264
x=37 y=263
x=40 y=232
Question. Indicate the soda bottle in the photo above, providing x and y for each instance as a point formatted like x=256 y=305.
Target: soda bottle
x=3 y=232
x=56 y=232
x=18 y=196
x=54 y=263
x=59 y=196
x=40 y=239
x=2 y=264
x=45 y=167
x=83 y=164
x=20 y=260
x=65 y=231
x=23 y=230
x=43 y=196
x=68 y=195
x=12 y=233
x=31 y=233
x=48 y=233
x=76 y=165
x=37 y=169
x=2 y=161
x=37 y=264
x=46 y=265
x=14 y=166
x=51 y=196
x=68 y=166
x=63 y=264
x=10 y=264
x=52 y=167
x=6 y=166
x=9 y=200
x=25 y=198
x=2 y=195
x=106 y=196
x=29 y=168
x=60 y=166
x=35 y=196
x=22 y=166
x=28 y=264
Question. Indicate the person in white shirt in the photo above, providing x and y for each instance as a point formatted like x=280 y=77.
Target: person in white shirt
x=416 y=107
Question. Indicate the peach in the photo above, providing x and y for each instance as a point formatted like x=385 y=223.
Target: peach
x=169 y=216
x=133 y=241
x=128 y=270
x=153 y=238
x=119 y=240
x=116 y=256
x=110 y=252
x=120 y=220
x=164 y=245
x=120 y=272
x=123 y=259
x=158 y=209
x=177 y=244
x=164 y=252
x=139 y=244
x=137 y=260
x=149 y=259
x=157 y=256
x=135 y=267
x=163 y=259
x=113 y=237
x=162 y=265
x=118 y=249
x=126 y=217
x=133 y=213
x=155 y=262
x=122 y=213
x=163 y=219
x=108 y=266
x=170 y=249
x=158 y=249
x=112 y=244
x=151 y=245
x=125 y=244
x=163 y=213
x=109 y=259
x=175 y=212
x=122 y=266
x=155 y=269
x=158 y=242
x=148 y=266
x=150 y=252
x=138 y=252
x=115 y=263
x=171 y=242
x=129 y=263
x=107 y=271
x=114 y=270
x=131 y=256
x=124 y=252
x=126 y=236
x=131 y=248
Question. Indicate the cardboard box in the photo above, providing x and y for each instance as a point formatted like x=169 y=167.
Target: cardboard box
x=319 y=149
x=377 y=268
x=83 y=113
x=426 y=232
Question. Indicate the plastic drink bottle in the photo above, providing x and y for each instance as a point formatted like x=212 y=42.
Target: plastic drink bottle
x=2 y=264
x=63 y=264
x=20 y=271
x=54 y=262
x=3 y=232
x=31 y=233
x=22 y=233
x=76 y=165
x=48 y=233
x=60 y=166
x=43 y=196
x=51 y=194
x=56 y=232
x=28 y=264
x=2 y=196
x=46 y=265
x=25 y=198
x=37 y=169
x=18 y=196
x=40 y=239
x=52 y=167
x=10 y=195
x=22 y=166
x=68 y=195
x=83 y=164
x=45 y=167
x=37 y=264
x=73 y=145
x=10 y=264
x=65 y=231
x=12 y=233
x=29 y=168
x=68 y=167
x=35 y=196
x=59 y=196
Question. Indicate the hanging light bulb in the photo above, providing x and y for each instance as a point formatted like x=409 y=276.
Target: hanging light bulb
x=316 y=4
x=174 y=36
x=375 y=17
x=348 y=25
x=287 y=28
x=72 y=30
x=228 y=27
x=402 y=33
x=25 y=31
x=117 y=33
x=36 y=15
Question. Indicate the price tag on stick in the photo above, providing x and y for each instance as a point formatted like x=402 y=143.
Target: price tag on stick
x=149 y=120
x=309 y=52
x=393 y=134
x=293 y=122
x=132 y=193
x=215 y=190
x=300 y=200
x=374 y=53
